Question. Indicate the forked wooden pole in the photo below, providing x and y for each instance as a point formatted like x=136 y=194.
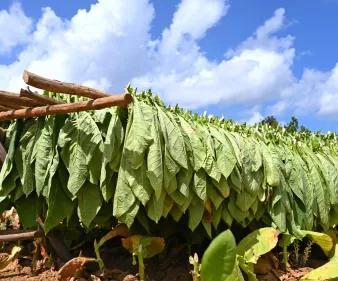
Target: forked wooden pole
x=116 y=100
x=39 y=98
x=39 y=82
x=8 y=99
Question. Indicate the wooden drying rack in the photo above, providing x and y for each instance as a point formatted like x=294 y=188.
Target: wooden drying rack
x=28 y=104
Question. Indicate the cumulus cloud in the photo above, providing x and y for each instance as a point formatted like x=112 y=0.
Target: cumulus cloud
x=189 y=77
x=103 y=47
x=14 y=28
x=110 y=45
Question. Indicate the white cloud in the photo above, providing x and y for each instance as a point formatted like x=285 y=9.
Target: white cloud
x=110 y=45
x=255 y=118
x=104 y=47
x=14 y=28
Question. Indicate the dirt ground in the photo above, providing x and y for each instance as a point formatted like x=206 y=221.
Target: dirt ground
x=121 y=269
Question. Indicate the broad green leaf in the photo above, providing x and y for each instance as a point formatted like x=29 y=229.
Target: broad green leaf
x=28 y=145
x=200 y=184
x=195 y=214
x=173 y=138
x=8 y=175
x=321 y=239
x=198 y=149
x=155 y=207
x=139 y=138
x=111 y=153
x=57 y=212
x=27 y=210
x=226 y=159
x=219 y=259
x=210 y=164
x=257 y=243
x=90 y=202
x=80 y=140
x=155 y=159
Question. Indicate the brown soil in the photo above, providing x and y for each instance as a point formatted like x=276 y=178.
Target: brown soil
x=118 y=269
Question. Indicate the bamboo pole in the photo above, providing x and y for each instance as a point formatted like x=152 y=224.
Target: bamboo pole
x=39 y=98
x=22 y=235
x=14 y=100
x=116 y=100
x=39 y=82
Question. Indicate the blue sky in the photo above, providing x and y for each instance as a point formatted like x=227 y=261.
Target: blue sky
x=245 y=59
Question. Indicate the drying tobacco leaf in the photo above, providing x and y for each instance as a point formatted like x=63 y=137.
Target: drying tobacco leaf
x=73 y=268
x=6 y=259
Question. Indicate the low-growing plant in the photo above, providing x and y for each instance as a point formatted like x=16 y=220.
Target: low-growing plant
x=143 y=247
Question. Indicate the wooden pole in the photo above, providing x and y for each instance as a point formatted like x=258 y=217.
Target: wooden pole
x=3 y=108
x=116 y=100
x=3 y=153
x=57 y=243
x=22 y=235
x=14 y=100
x=39 y=98
x=39 y=82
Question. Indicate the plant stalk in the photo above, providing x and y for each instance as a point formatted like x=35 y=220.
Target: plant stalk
x=141 y=266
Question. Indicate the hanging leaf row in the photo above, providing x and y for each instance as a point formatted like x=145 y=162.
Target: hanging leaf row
x=169 y=162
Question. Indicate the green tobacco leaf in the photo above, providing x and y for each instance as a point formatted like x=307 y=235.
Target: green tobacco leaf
x=257 y=243
x=28 y=145
x=200 y=184
x=27 y=210
x=155 y=159
x=173 y=138
x=219 y=259
x=272 y=174
x=47 y=155
x=8 y=175
x=57 y=212
x=318 y=188
x=195 y=214
x=170 y=171
x=226 y=159
x=80 y=140
x=90 y=202
x=328 y=271
x=155 y=207
x=124 y=198
x=111 y=151
x=197 y=147
x=139 y=139
x=222 y=186
x=210 y=164
x=247 y=268
x=140 y=184
x=129 y=217
x=321 y=239
x=236 y=274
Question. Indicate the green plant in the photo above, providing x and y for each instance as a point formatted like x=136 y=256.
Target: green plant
x=219 y=259
x=143 y=247
x=120 y=230
x=254 y=245
x=197 y=267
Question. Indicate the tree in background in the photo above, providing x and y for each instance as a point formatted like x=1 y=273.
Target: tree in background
x=270 y=120
x=292 y=126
